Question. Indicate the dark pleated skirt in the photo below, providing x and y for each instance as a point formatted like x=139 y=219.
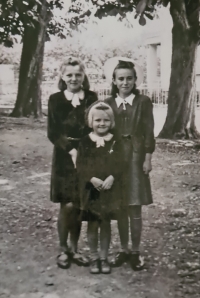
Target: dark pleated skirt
x=135 y=183
x=64 y=182
x=102 y=205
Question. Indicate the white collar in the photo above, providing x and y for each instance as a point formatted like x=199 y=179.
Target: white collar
x=124 y=101
x=74 y=97
x=100 y=141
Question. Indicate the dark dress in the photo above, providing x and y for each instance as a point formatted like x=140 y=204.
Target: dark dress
x=66 y=125
x=100 y=163
x=134 y=128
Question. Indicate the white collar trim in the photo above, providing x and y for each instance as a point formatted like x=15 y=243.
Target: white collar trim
x=74 y=97
x=124 y=101
x=100 y=141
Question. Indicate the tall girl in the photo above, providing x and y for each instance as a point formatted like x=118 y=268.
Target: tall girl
x=66 y=125
x=134 y=127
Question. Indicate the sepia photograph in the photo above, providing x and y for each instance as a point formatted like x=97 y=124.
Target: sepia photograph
x=99 y=148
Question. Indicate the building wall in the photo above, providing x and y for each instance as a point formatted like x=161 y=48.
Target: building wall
x=159 y=32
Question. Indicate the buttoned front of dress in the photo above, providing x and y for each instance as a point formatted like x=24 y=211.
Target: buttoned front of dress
x=134 y=127
x=99 y=162
x=66 y=126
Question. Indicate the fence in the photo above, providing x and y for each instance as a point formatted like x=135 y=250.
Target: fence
x=8 y=92
x=158 y=96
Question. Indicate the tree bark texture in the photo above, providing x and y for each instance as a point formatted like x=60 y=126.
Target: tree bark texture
x=180 y=120
x=30 y=75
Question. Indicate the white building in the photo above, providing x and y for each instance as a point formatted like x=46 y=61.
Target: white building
x=158 y=39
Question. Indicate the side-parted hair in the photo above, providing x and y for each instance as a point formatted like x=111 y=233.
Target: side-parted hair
x=73 y=62
x=99 y=106
x=124 y=65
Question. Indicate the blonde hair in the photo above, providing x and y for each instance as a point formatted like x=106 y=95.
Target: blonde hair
x=99 y=106
x=73 y=62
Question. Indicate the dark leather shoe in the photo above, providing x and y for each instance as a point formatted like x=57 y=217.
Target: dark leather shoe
x=105 y=267
x=136 y=261
x=94 y=266
x=119 y=259
x=63 y=260
x=79 y=260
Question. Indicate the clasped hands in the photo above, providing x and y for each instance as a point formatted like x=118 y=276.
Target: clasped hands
x=102 y=185
x=98 y=183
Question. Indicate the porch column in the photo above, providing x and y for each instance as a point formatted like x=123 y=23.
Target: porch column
x=151 y=66
x=165 y=48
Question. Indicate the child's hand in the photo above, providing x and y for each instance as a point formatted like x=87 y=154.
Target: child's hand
x=73 y=154
x=108 y=182
x=97 y=183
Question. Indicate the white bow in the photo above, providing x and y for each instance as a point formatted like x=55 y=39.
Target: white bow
x=128 y=100
x=100 y=141
x=74 y=97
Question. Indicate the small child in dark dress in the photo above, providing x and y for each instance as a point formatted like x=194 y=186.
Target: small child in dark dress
x=99 y=182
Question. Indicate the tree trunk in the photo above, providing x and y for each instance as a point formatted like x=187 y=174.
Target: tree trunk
x=30 y=75
x=180 y=120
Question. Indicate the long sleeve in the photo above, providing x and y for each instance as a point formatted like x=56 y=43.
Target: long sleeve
x=79 y=161
x=84 y=184
x=54 y=130
x=148 y=125
x=83 y=165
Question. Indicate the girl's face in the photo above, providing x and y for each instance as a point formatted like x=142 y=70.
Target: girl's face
x=101 y=123
x=125 y=81
x=73 y=76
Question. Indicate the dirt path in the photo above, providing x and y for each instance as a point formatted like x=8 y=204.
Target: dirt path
x=28 y=236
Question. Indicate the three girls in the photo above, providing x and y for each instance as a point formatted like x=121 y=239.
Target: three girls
x=103 y=156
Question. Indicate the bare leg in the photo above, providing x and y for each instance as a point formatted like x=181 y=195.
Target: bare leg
x=63 y=226
x=69 y=222
x=63 y=260
x=105 y=236
x=123 y=227
x=74 y=228
x=135 y=213
x=92 y=234
x=136 y=261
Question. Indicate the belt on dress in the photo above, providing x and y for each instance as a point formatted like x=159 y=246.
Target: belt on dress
x=73 y=139
x=128 y=137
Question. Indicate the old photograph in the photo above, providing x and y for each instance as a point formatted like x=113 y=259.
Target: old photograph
x=99 y=148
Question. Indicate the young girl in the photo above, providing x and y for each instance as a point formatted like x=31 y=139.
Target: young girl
x=66 y=125
x=135 y=128
x=98 y=170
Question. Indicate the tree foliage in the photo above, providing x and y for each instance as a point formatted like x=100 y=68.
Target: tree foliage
x=16 y=15
x=143 y=8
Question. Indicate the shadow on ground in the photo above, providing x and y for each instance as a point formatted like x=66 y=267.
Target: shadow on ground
x=28 y=245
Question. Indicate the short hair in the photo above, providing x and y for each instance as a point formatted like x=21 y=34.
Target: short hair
x=73 y=62
x=124 y=65
x=99 y=106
